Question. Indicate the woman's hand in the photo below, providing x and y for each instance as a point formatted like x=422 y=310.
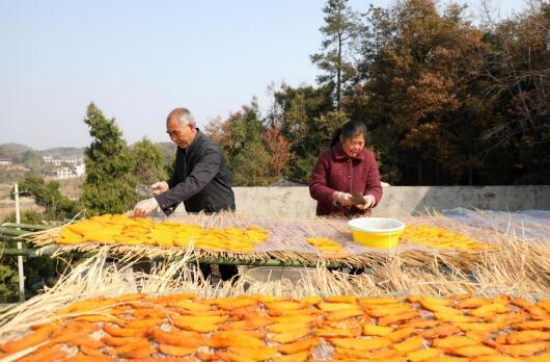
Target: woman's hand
x=369 y=202
x=342 y=198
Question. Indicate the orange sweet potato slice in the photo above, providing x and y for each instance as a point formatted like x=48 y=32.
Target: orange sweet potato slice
x=497 y=358
x=285 y=305
x=291 y=336
x=400 y=334
x=508 y=319
x=422 y=323
x=155 y=313
x=87 y=341
x=442 y=330
x=343 y=314
x=184 y=339
x=285 y=327
x=397 y=318
x=538 y=325
x=409 y=345
x=135 y=350
x=33 y=338
x=453 y=342
x=105 y=318
x=472 y=351
x=524 y=349
x=49 y=353
x=374 y=330
x=382 y=311
x=295 y=312
x=479 y=327
x=337 y=332
x=295 y=319
x=227 y=356
x=233 y=339
x=454 y=317
x=143 y=323
x=534 y=310
x=190 y=305
x=299 y=346
x=202 y=324
x=125 y=332
x=176 y=351
x=258 y=353
x=363 y=344
x=331 y=307
x=346 y=354
x=473 y=302
x=89 y=351
x=247 y=324
x=489 y=310
x=423 y=354
x=527 y=336
x=302 y=356
x=120 y=341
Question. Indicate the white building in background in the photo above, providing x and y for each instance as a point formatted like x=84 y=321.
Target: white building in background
x=6 y=161
x=67 y=167
x=63 y=173
x=67 y=160
x=80 y=169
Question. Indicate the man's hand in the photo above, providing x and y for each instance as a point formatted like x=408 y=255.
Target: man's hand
x=145 y=207
x=159 y=187
x=342 y=198
x=369 y=202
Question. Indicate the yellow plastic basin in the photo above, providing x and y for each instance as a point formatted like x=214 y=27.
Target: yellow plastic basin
x=376 y=232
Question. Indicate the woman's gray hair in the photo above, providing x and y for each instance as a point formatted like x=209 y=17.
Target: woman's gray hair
x=183 y=115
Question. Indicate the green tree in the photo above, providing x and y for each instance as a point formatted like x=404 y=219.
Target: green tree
x=9 y=283
x=57 y=207
x=38 y=271
x=304 y=124
x=247 y=158
x=149 y=162
x=27 y=217
x=340 y=31
x=109 y=163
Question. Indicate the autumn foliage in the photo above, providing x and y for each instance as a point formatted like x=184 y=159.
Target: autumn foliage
x=447 y=100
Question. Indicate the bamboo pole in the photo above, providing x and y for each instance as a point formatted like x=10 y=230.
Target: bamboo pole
x=21 y=272
x=28 y=227
x=12 y=231
x=207 y=260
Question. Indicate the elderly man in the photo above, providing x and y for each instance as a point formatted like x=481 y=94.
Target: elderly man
x=201 y=179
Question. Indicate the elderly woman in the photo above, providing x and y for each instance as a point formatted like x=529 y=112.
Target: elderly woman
x=345 y=180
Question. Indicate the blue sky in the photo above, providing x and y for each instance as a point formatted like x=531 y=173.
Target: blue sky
x=138 y=59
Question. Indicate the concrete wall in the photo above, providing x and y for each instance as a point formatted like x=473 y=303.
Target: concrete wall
x=295 y=202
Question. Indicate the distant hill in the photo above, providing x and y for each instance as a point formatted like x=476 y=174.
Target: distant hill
x=15 y=149
x=12 y=149
x=63 y=152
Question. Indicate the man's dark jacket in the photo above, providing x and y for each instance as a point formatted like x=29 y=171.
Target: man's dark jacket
x=200 y=180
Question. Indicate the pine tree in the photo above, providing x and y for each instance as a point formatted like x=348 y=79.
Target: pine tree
x=109 y=164
x=340 y=31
